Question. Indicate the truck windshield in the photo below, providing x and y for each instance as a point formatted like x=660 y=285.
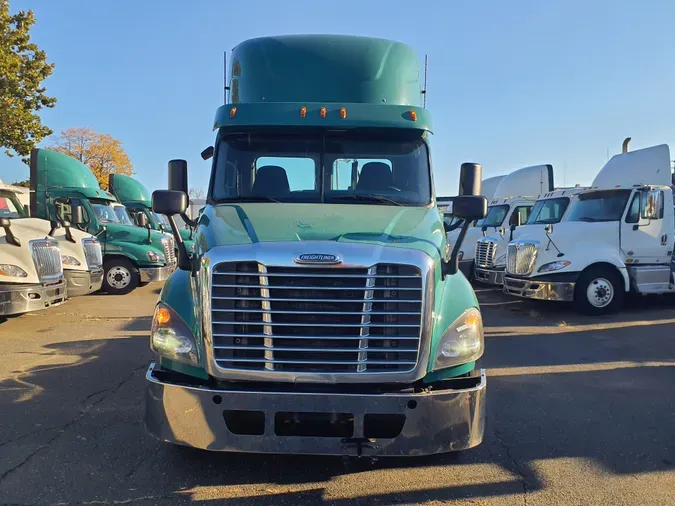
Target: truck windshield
x=122 y=215
x=389 y=168
x=495 y=216
x=161 y=219
x=105 y=212
x=548 y=211
x=10 y=207
x=605 y=205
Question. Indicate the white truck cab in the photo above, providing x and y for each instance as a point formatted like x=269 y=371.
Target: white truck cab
x=80 y=252
x=616 y=236
x=510 y=205
x=549 y=208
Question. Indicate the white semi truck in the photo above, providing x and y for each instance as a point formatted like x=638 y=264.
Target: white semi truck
x=549 y=208
x=510 y=204
x=616 y=237
x=28 y=278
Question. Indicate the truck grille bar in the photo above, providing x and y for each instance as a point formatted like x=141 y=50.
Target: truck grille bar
x=47 y=259
x=169 y=250
x=486 y=250
x=309 y=319
x=521 y=257
x=92 y=253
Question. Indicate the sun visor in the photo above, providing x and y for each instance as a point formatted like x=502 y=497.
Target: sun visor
x=648 y=166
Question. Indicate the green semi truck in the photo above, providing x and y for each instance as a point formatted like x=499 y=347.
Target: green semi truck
x=321 y=311
x=64 y=189
x=137 y=199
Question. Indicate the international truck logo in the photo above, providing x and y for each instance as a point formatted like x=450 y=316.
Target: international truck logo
x=317 y=258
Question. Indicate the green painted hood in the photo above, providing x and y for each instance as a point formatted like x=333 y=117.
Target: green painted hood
x=404 y=227
x=131 y=234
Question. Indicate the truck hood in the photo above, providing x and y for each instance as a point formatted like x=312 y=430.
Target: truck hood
x=133 y=234
x=247 y=223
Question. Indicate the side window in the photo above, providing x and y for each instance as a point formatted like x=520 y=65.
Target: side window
x=522 y=212
x=633 y=214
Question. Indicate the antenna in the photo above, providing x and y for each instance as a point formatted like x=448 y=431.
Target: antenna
x=226 y=88
x=424 y=91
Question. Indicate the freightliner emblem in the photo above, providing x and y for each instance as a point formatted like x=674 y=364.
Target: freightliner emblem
x=317 y=258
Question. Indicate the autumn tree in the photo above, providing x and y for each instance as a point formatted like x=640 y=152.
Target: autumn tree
x=24 y=184
x=23 y=67
x=102 y=153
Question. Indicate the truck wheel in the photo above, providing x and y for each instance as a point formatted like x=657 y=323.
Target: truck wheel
x=120 y=276
x=599 y=290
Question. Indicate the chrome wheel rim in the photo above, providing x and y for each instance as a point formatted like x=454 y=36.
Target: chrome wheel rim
x=600 y=292
x=119 y=277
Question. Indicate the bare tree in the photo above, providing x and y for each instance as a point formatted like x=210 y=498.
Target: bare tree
x=196 y=193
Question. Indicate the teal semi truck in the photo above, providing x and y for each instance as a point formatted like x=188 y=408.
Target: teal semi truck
x=321 y=311
x=137 y=199
x=64 y=189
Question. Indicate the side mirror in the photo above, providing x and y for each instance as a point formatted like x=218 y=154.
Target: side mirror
x=548 y=228
x=513 y=227
x=652 y=203
x=470 y=175
x=142 y=220
x=207 y=153
x=76 y=214
x=171 y=203
x=468 y=208
x=178 y=177
x=6 y=225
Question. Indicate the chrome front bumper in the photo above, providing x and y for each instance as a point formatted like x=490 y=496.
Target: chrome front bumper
x=83 y=282
x=540 y=290
x=16 y=299
x=489 y=276
x=150 y=274
x=430 y=422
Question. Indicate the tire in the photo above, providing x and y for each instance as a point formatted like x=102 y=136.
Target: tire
x=120 y=276
x=599 y=290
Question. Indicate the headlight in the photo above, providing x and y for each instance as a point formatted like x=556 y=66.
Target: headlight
x=463 y=342
x=68 y=260
x=153 y=256
x=13 y=271
x=171 y=338
x=554 y=266
x=501 y=261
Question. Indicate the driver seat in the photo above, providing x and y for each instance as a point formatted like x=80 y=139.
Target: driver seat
x=375 y=176
x=270 y=180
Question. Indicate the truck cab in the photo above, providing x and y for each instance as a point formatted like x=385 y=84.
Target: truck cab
x=31 y=270
x=320 y=311
x=65 y=190
x=510 y=205
x=137 y=199
x=626 y=221
x=549 y=208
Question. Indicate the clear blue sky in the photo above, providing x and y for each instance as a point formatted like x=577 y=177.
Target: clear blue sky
x=511 y=83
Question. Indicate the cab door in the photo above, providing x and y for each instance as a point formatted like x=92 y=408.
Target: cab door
x=646 y=228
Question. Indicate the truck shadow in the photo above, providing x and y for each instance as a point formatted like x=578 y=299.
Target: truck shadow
x=551 y=398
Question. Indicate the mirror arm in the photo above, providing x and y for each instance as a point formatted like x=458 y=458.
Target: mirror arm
x=55 y=225
x=184 y=260
x=452 y=265
x=187 y=220
x=147 y=226
x=69 y=235
x=11 y=238
x=101 y=231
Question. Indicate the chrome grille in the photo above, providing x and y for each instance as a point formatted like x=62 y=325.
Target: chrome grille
x=486 y=250
x=521 y=257
x=47 y=259
x=92 y=253
x=318 y=320
x=169 y=250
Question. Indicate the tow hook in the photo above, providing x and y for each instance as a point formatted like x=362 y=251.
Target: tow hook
x=360 y=443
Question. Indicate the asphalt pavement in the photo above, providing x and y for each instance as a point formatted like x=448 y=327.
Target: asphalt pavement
x=581 y=411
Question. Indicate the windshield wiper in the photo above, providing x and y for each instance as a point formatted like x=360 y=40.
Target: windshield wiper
x=367 y=198
x=587 y=218
x=251 y=198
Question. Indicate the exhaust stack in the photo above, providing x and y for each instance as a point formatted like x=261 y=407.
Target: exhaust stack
x=626 y=145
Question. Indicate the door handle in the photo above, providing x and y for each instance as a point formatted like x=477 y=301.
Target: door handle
x=664 y=239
